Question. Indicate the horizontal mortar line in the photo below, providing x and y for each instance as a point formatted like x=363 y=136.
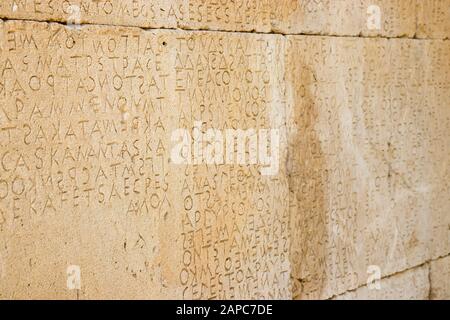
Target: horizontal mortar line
x=393 y=275
x=281 y=34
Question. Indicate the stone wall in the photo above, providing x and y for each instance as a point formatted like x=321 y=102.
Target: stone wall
x=96 y=97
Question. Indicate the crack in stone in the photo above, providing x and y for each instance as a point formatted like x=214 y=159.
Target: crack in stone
x=426 y=263
x=185 y=29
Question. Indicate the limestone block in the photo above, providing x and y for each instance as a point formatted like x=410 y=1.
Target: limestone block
x=388 y=18
x=94 y=202
x=409 y=285
x=437 y=185
x=433 y=19
x=97 y=195
x=362 y=17
x=365 y=17
x=143 y=13
x=440 y=279
x=369 y=159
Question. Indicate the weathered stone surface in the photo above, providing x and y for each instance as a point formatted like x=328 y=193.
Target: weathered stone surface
x=433 y=19
x=389 y=18
x=363 y=17
x=369 y=159
x=87 y=177
x=409 y=285
x=153 y=13
x=440 y=279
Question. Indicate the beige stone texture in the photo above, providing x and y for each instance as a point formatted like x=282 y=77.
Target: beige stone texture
x=142 y=13
x=396 y=18
x=409 y=285
x=433 y=19
x=90 y=116
x=369 y=159
x=86 y=178
x=388 y=18
x=440 y=279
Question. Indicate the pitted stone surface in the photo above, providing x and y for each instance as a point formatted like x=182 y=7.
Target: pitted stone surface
x=433 y=19
x=440 y=279
x=94 y=202
x=86 y=178
x=369 y=159
x=409 y=285
x=387 y=18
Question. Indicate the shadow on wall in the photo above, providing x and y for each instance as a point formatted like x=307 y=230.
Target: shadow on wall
x=307 y=176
